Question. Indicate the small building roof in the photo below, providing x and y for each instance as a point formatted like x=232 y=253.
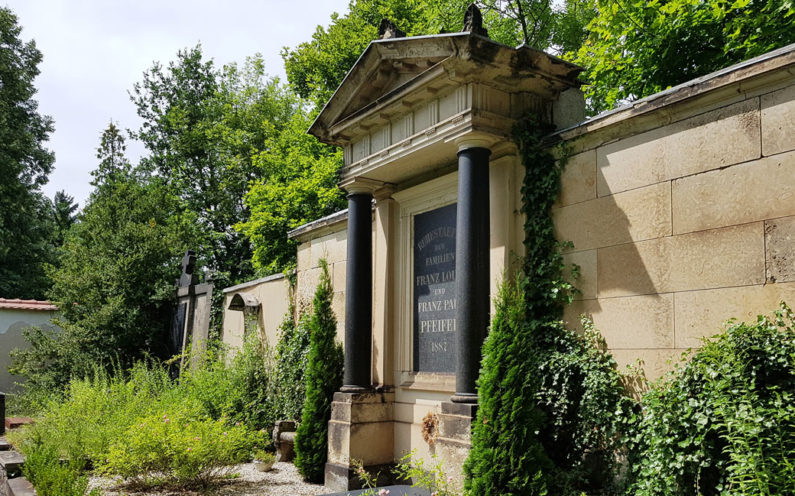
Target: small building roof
x=37 y=305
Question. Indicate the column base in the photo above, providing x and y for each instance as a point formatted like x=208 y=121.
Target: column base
x=356 y=389
x=454 y=440
x=361 y=428
x=470 y=398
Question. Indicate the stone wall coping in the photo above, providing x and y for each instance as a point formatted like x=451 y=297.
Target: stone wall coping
x=757 y=66
x=248 y=284
x=301 y=233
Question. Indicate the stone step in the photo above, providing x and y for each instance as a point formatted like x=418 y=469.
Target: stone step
x=11 y=462
x=21 y=487
x=4 y=445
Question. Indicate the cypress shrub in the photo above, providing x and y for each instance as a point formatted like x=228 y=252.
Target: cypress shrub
x=323 y=379
x=547 y=397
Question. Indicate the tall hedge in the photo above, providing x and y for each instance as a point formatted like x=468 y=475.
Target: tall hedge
x=323 y=378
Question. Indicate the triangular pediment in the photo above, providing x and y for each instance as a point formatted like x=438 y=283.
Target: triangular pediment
x=394 y=68
x=388 y=75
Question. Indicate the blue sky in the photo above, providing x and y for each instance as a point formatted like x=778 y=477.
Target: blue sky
x=95 y=50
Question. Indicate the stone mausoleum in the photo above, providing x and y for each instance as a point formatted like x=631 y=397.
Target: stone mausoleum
x=680 y=207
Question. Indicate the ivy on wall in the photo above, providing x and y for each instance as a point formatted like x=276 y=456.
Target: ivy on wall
x=547 y=396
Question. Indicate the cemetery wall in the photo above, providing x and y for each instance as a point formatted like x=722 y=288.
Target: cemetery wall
x=272 y=293
x=15 y=317
x=681 y=209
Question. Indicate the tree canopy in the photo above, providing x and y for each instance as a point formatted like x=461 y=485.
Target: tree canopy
x=634 y=49
x=114 y=280
x=25 y=214
x=202 y=127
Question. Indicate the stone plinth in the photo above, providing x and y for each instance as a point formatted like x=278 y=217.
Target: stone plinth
x=454 y=440
x=361 y=428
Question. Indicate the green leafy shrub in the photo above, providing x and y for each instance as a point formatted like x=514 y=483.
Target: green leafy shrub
x=323 y=378
x=178 y=448
x=102 y=411
x=724 y=421
x=289 y=384
x=551 y=411
x=433 y=479
x=51 y=477
x=97 y=410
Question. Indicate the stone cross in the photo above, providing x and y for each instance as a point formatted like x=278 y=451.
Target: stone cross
x=188 y=277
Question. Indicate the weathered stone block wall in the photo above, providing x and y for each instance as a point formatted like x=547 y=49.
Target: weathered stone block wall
x=683 y=215
x=273 y=295
x=331 y=244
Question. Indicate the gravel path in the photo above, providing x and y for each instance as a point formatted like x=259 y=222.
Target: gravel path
x=283 y=480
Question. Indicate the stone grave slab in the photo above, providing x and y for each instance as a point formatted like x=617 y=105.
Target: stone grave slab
x=4 y=444
x=21 y=487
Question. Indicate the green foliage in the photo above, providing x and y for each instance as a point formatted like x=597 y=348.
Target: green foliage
x=202 y=127
x=323 y=379
x=288 y=391
x=114 y=284
x=634 y=48
x=178 y=448
x=550 y=401
x=316 y=68
x=540 y=24
x=433 y=479
x=25 y=228
x=298 y=185
x=116 y=422
x=723 y=422
x=44 y=469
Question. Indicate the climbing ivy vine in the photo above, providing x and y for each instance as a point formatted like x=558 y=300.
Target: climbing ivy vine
x=547 y=396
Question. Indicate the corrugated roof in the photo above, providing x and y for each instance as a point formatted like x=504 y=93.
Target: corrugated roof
x=44 y=306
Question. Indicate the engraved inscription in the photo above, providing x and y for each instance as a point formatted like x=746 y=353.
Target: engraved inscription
x=434 y=290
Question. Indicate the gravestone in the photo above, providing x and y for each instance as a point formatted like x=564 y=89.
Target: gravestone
x=190 y=326
x=435 y=290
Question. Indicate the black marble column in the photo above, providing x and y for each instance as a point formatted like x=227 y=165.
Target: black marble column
x=471 y=269
x=359 y=294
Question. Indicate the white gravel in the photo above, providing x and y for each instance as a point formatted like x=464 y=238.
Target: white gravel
x=283 y=480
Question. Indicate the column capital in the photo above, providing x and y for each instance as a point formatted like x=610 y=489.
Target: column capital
x=475 y=139
x=361 y=185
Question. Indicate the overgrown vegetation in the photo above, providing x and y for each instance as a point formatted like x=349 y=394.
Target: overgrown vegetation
x=288 y=384
x=150 y=429
x=323 y=379
x=554 y=415
x=722 y=422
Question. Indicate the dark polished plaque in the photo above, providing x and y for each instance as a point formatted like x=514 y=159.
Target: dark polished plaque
x=434 y=290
